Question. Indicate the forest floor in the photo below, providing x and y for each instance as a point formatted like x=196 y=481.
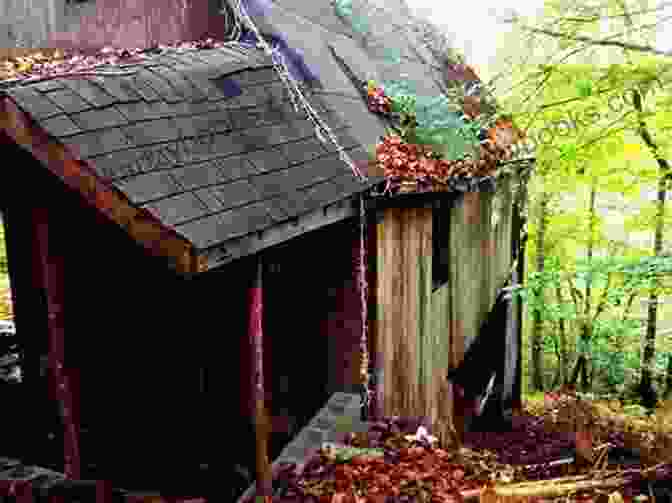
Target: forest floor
x=558 y=448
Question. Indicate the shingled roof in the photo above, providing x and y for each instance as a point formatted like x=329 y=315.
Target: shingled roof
x=314 y=28
x=205 y=142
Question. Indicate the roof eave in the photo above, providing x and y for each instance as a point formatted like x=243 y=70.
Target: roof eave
x=141 y=225
x=249 y=244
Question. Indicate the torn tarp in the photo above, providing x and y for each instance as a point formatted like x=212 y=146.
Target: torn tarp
x=295 y=62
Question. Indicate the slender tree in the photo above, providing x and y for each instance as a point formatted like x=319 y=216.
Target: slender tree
x=537 y=354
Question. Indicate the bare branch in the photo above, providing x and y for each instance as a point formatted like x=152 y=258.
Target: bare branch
x=628 y=306
x=577 y=98
x=603 y=298
x=609 y=132
x=603 y=41
x=575 y=293
x=593 y=19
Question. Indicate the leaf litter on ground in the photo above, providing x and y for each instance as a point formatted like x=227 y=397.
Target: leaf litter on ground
x=398 y=461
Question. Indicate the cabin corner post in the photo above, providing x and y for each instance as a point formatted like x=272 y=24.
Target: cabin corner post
x=384 y=230
x=50 y=263
x=375 y=411
x=261 y=420
x=518 y=240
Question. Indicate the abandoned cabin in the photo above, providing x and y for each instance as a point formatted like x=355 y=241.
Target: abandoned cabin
x=138 y=209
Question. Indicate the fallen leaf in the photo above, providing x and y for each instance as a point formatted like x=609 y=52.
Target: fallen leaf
x=338 y=498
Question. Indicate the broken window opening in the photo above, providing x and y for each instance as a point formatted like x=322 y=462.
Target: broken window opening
x=440 y=242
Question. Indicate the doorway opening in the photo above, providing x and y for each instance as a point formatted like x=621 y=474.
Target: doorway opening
x=10 y=366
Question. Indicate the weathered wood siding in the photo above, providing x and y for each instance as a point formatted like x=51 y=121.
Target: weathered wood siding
x=420 y=333
x=97 y=23
x=141 y=23
x=28 y=23
x=404 y=249
x=480 y=258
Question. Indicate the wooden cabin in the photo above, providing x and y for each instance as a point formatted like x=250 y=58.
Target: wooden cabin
x=131 y=260
x=138 y=209
x=440 y=261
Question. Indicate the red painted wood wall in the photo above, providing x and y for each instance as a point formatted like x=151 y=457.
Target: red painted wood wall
x=142 y=23
x=156 y=360
x=311 y=320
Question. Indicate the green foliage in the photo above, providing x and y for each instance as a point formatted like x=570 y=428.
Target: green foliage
x=635 y=410
x=634 y=276
x=3 y=251
x=568 y=152
x=584 y=87
x=449 y=142
x=609 y=336
x=432 y=120
x=577 y=109
x=343 y=454
x=644 y=219
x=404 y=104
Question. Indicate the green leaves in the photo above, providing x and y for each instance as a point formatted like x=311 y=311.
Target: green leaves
x=584 y=87
x=630 y=275
x=343 y=453
x=568 y=152
x=448 y=141
x=404 y=104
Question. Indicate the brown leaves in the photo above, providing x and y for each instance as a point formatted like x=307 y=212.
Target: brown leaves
x=472 y=106
x=504 y=134
x=50 y=62
x=411 y=163
x=423 y=473
x=418 y=472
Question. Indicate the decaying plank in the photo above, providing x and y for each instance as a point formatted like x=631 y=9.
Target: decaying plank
x=51 y=276
x=262 y=423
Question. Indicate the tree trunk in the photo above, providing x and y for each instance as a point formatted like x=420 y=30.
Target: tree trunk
x=586 y=323
x=519 y=244
x=557 y=378
x=580 y=362
x=537 y=322
x=562 y=339
x=589 y=252
x=646 y=390
x=581 y=366
x=646 y=385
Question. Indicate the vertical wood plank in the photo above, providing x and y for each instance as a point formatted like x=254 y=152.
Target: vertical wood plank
x=129 y=23
x=381 y=317
x=375 y=410
x=262 y=426
x=51 y=264
x=420 y=332
x=407 y=369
